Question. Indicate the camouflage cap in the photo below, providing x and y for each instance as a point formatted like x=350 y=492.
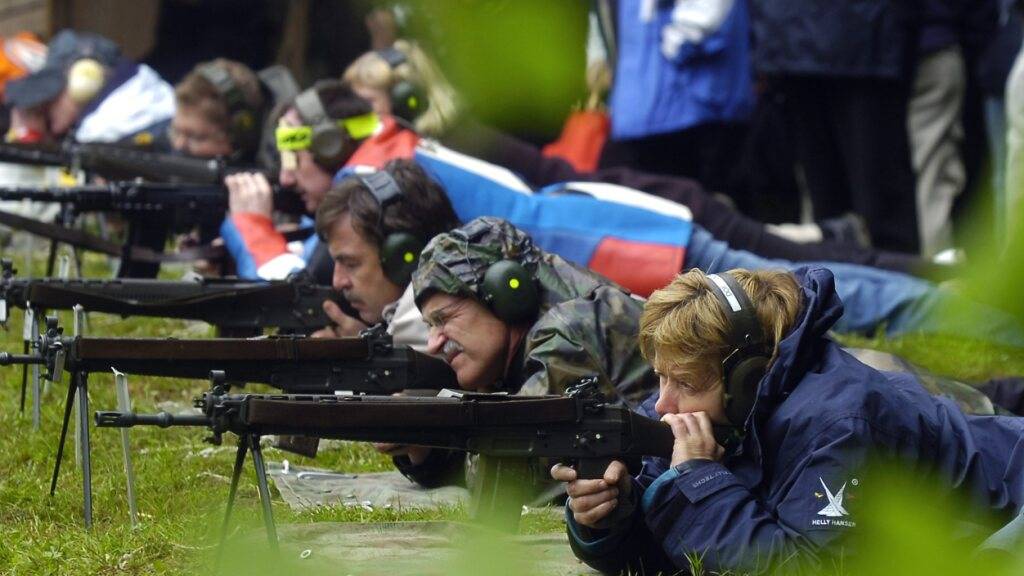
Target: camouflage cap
x=455 y=262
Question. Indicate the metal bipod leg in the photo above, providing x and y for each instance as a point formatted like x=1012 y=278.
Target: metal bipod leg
x=236 y=473
x=83 y=417
x=68 y=403
x=124 y=404
x=79 y=386
x=77 y=313
x=264 y=488
x=31 y=334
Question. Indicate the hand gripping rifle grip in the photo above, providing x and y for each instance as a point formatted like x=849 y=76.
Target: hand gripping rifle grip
x=163 y=420
x=594 y=469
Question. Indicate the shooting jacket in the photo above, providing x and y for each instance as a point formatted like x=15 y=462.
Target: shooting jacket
x=794 y=485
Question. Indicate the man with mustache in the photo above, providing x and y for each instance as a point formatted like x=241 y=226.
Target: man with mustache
x=510 y=317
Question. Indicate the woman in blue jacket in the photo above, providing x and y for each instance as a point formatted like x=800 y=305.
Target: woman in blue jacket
x=809 y=416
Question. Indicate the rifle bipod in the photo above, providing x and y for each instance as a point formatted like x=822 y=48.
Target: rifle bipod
x=79 y=384
x=249 y=442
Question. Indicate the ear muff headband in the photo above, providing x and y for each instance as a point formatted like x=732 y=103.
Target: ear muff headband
x=745 y=365
x=241 y=117
x=399 y=251
x=294 y=138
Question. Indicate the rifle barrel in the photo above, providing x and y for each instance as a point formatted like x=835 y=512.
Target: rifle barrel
x=8 y=359
x=162 y=419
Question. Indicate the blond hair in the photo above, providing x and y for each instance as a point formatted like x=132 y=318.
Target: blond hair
x=373 y=71
x=685 y=331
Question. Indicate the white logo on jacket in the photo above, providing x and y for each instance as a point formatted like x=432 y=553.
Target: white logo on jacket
x=835 y=502
x=834 y=513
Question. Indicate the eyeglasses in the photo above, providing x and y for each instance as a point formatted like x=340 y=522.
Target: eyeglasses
x=438 y=318
x=196 y=139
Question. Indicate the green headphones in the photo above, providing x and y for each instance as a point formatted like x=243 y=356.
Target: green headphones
x=241 y=117
x=408 y=100
x=399 y=251
x=510 y=291
x=746 y=364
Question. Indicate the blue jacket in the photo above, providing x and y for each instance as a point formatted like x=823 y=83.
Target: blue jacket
x=836 y=38
x=791 y=485
x=704 y=82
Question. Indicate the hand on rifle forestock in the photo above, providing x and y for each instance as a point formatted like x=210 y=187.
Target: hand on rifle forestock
x=344 y=325
x=592 y=501
x=249 y=192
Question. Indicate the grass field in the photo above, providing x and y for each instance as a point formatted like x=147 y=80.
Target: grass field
x=182 y=486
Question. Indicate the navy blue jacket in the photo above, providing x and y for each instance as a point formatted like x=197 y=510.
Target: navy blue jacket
x=837 y=38
x=818 y=414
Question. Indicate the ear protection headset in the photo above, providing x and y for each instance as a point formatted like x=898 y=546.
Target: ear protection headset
x=747 y=363
x=85 y=80
x=408 y=100
x=510 y=291
x=328 y=141
x=241 y=117
x=399 y=251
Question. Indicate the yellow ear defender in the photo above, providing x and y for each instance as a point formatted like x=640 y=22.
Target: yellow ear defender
x=85 y=80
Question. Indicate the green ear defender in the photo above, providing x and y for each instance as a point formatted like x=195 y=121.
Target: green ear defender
x=408 y=100
x=400 y=251
x=510 y=291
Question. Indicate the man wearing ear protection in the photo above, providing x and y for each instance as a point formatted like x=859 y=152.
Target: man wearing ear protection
x=375 y=226
x=89 y=89
x=321 y=131
x=510 y=317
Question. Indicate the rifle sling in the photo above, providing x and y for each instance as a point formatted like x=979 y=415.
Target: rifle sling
x=221 y=349
x=59 y=233
x=321 y=418
x=61 y=296
x=94 y=243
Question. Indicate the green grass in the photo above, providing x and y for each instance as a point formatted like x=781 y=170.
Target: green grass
x=182 y=487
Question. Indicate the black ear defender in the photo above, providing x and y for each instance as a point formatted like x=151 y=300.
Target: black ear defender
x=510 y=291
x=746 y=364
x=241 y=117
x=399 y=251
x=408 y=101
x=328 y=141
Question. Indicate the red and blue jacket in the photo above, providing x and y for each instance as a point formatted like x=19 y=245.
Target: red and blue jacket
x=260 y=251
x=636 y=239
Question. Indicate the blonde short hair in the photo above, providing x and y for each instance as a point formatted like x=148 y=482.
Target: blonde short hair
x=373 y=71
x=684 y=328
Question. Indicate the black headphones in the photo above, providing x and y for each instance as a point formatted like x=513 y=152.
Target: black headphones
x=746 y=364
x=241 y=117
x=408 y=100
x=399 y=251
x=329 y=143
